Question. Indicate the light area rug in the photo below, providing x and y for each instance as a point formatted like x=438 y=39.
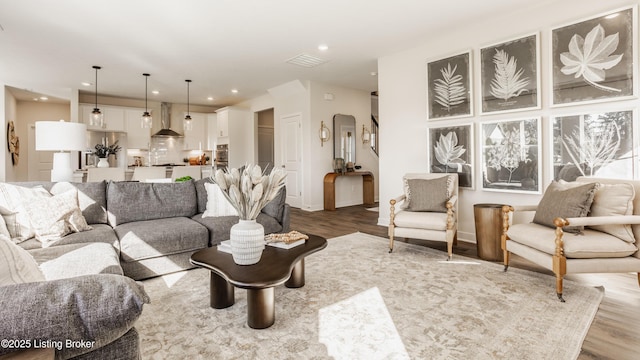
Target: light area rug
x=360 y=302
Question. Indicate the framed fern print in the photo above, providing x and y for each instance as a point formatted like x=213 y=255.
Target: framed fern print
x=510 y=75
x=511 y=151
x=451 y=151
x=595 y=60
x=449 y=87
x=594 y=144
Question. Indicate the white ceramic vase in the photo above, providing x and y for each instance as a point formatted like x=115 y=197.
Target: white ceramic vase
x=103 y=163
x=247 y=242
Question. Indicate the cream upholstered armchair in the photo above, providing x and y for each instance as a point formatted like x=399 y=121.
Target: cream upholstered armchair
x=428 y=209
x=587 y=226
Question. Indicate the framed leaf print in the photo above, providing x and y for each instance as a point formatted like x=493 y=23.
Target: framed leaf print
x=510 y=155
x=451 y=151
x=449 y=87
x=510 y=75
x=594 y=144
x=595 y=60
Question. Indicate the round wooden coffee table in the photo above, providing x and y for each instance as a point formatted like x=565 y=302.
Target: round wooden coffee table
x=277 y=266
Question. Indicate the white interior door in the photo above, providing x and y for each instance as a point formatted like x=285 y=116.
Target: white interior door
x=292 y=157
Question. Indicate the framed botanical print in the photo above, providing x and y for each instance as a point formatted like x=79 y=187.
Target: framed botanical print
x=449 y=87
x=595 y=59
x=451 y=151
x=597 y=144
x=510 y=75
x=510 y=155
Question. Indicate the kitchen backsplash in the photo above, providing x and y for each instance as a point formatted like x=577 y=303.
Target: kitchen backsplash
x=165 y=151
x=162 y=150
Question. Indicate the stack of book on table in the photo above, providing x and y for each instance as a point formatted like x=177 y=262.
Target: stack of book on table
x=283 y=241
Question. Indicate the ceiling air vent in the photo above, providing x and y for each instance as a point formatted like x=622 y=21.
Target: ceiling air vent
x=306 y=60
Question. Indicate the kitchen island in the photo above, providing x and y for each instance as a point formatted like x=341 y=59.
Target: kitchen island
x=205 y=170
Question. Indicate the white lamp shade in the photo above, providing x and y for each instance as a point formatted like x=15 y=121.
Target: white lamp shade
x=60 y=136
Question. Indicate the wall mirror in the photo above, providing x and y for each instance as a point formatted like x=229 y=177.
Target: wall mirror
x=344 y=137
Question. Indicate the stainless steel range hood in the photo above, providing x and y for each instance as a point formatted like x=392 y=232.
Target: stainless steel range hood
x=165 y=120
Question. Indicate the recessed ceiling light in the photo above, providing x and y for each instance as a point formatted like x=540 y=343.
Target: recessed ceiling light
x=84 y=83
x=210 y=98
x=44 y=98
x=323 y=47
x=235 y=91
x=373 y=73
x=155 y=92
x=35 y=99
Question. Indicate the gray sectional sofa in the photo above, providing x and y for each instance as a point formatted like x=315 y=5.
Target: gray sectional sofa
x=139 y=230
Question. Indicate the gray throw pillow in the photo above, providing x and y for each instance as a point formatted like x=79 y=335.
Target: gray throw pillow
x=95 y=308
x=565 y=202
x=428 y=194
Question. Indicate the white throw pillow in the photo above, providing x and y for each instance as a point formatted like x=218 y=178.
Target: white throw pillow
x=12 y=200
x=3 y=228
x=51 y=217
x=17 y=266
x=76 y=220
x=217 y=204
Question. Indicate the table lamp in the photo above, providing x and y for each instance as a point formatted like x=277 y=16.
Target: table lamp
x=62 y=137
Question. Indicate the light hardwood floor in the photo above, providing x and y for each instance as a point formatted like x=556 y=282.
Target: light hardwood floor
x=615 y=331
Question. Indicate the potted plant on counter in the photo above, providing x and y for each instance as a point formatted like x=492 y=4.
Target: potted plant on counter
x=103 y=151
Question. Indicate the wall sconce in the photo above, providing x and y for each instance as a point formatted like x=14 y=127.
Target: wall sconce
x=325 y=133
x=366 y=135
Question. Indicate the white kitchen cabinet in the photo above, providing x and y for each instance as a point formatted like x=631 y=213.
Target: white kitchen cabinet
x=223 y=123
x=114 y=117
x=196 y=138
x=238 y=126
x=137 y=137
x=212 y=129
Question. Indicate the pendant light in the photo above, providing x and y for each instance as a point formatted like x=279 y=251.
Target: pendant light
x=146 y=121
x=188 y=125
x=96 y=118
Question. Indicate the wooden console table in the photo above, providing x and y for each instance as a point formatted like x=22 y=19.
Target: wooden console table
x=330 y=188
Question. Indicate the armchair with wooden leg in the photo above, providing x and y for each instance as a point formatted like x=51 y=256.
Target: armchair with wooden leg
x=587 y=226
x=428 y=209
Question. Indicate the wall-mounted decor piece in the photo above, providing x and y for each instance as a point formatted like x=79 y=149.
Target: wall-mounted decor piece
x=594 y=60
x=510 y=155
x=510 y=75
x=13 y=143
x=449 y=87
x=451 y=151
x=594 y=144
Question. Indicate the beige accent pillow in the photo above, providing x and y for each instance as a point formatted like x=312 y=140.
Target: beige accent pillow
x=56 y=216
x=566 y=201
x=428 y=195
x=613 y=200
x=424 y=176
x=12 y=200
x=217 y=204
x=17 y=266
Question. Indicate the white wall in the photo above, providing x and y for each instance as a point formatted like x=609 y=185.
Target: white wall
x=402 y=97
x=8 y=112
x=348 y=102
x=308 y=100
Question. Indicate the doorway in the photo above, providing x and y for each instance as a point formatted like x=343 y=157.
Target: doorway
x=265 y=140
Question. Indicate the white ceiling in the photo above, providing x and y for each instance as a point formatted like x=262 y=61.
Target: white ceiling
x=50 y=46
